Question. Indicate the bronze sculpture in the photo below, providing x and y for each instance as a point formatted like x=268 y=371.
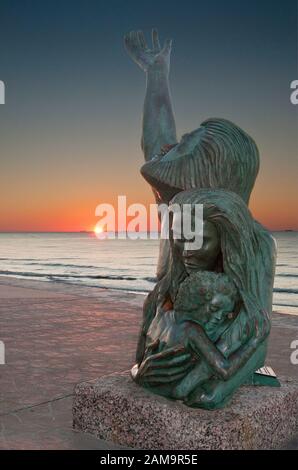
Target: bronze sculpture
x=184 y=350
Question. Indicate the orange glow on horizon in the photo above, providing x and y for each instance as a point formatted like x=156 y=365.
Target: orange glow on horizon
x=71 y=206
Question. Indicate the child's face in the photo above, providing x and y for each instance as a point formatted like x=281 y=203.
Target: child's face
x=208 y=307
x=220 y=306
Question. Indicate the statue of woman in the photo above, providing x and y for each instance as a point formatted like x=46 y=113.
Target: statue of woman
x=235 y=244
x=223 y=159
x=216 y=155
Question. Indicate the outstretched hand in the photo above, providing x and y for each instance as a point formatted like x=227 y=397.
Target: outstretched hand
x=146 y=58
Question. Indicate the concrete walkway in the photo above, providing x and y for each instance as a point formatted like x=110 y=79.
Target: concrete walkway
x=56 y=336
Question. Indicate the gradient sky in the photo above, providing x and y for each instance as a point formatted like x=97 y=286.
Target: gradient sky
x=70 y=129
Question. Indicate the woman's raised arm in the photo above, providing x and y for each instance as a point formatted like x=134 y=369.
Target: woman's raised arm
x=159 y=128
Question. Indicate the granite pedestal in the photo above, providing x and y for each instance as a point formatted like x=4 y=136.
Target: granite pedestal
x=114 y=408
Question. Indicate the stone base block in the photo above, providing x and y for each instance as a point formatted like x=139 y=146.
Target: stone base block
x=114 y=408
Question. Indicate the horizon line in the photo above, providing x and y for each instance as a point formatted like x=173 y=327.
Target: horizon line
x=116 y=232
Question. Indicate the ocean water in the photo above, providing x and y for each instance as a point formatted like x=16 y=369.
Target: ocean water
x=129 y=265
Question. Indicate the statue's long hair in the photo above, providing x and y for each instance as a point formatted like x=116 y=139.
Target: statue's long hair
x=224 y=157
x=247 y=252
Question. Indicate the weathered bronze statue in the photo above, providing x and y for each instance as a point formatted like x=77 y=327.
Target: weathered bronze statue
x=206 y=322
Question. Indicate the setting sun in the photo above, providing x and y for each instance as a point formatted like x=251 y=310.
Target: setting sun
x=98 y=229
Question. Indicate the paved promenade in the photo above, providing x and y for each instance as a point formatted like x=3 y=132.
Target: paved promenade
x=56 y=336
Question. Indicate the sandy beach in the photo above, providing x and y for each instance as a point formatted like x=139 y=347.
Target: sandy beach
x=56 y=336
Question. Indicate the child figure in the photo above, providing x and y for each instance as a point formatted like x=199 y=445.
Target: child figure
x=206 y=299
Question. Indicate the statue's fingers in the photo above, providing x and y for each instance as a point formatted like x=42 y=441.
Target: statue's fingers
x=155 y=39
x=167 y=46
x=134 y=38
x=164 y=380
x=168 y=372
x=142 y=40
x=132 y=45
x=170 y=352
x=131 y=39
x=136 y=41
x=128 y=42
x=170 y=362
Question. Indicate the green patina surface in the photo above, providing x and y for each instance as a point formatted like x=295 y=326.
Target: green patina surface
x=207 y=321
